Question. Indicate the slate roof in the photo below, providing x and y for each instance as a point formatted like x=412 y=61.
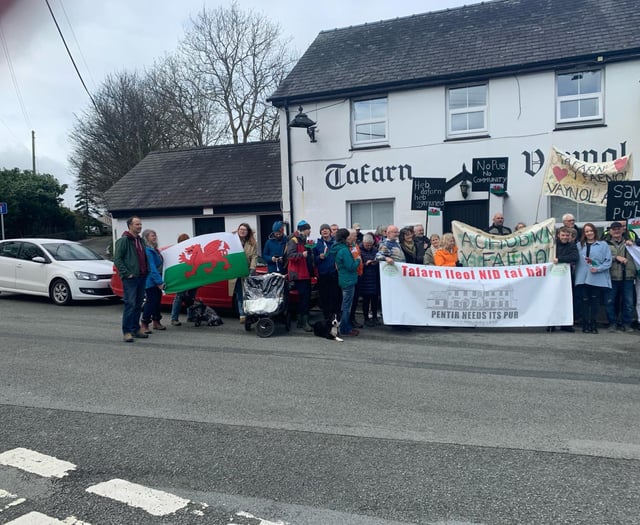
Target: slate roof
x=477 y=41
x=216 y=176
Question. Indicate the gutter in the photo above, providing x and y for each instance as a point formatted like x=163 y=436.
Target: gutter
x=289 y=166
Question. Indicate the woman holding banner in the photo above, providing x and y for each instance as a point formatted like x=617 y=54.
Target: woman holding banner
x=592 y=275
x=447 y=255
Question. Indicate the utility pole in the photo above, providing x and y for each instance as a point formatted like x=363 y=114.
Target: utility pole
x=33 y=150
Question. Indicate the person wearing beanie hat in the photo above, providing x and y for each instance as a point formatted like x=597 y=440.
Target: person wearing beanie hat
x=300 y=270
x=328 y=287
x=274 y=249
x=303 y=225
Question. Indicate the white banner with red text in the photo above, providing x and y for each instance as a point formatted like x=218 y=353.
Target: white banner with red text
x=514 y=296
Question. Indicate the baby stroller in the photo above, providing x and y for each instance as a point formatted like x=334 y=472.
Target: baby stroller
x=265 y=296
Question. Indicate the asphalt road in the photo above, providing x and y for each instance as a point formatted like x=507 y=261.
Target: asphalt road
x=430 y=426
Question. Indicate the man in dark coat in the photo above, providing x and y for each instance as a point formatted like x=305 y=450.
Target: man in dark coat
x=498 y=227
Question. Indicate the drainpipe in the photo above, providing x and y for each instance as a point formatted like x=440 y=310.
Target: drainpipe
x=289 y=168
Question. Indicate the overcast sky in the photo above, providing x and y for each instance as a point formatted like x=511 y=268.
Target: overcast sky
x=107 y=36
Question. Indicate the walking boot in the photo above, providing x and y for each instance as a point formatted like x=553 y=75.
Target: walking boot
x=594 y=327
x=305 y=324
x=144 y=328
x=586 y=329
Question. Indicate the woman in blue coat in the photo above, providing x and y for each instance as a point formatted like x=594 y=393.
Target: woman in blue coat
x=154 y=286
x=592 y=275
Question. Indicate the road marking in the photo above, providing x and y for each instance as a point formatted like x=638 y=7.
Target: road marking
x=262 y=522
x=36 y=463
x=606 y=449
x=16 y=501
x=155 y=502
x=37 y=518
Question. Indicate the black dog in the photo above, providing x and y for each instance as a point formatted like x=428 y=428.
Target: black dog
x=199 y=313
x=327 y=329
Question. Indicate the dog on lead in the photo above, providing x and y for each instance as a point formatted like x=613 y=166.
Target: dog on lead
x=327 y=329
x=199 y=313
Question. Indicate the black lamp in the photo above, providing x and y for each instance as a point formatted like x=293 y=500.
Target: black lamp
x=464 y=188
x=302 y=121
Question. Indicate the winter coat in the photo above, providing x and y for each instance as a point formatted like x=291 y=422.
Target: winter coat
x=326 y=266
x=567 y=252
x=619 y=271
x=369 y=281
x=299 y=267
x=251 y=253
x=445 y=257
x=391 y=249
x=345 y=263
x=416 y=256
x=274 y=248
x=600 y=255
x=155 y=260
x=125 y=257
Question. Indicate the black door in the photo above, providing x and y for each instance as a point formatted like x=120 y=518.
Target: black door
x=473 y=213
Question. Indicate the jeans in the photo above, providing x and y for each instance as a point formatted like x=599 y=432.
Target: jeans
x=133 y=298
x=620 y=290
x=304 y=296
x=238 y=297
x=187 y=297
x=347 y=300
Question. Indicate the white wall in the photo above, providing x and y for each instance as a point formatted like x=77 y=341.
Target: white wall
x=521 y=119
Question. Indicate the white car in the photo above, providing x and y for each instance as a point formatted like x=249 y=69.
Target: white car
x=62 y=270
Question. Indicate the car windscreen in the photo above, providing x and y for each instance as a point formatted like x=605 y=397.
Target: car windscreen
x=71 y=252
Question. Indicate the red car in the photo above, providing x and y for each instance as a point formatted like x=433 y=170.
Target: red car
x=217 y=295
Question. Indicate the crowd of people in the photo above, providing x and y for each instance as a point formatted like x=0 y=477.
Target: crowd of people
x=345 y=263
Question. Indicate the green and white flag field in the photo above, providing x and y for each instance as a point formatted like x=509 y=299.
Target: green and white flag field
x=204 y=259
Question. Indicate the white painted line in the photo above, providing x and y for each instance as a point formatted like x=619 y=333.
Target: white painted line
x=36 y=463
x=262 y=522
x=35 y=518
x=72 y=520
x=5 y=494
x=155 y=502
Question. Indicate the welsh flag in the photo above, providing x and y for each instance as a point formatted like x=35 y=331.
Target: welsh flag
x=433 y=212
x=204 y=259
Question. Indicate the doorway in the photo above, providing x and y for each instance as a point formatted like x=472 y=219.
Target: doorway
x=474 y=213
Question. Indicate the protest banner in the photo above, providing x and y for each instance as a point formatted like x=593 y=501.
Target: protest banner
x=529 y=295
x=204 y=259
x=623 y=200
x=531 y=245
x=584 y=182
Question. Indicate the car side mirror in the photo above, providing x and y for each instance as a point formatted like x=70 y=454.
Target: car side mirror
x=39 y=259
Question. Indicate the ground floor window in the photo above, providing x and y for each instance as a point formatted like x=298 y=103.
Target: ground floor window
x=371 y=214
x=582 y=212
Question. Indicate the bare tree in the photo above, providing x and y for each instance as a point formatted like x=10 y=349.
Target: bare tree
x=240 y=59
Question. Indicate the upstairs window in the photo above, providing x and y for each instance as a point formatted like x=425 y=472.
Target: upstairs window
x=369 y=121
x=579 y=97
x=467 y=110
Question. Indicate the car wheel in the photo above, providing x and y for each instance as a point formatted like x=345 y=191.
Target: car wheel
x=60 y=292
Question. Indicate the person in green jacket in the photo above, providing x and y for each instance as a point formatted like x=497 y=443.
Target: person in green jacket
x=347 y=267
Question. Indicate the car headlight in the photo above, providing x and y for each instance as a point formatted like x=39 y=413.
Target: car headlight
x=85 y=276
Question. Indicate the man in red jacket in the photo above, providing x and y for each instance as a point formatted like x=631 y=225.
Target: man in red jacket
x=300 y=270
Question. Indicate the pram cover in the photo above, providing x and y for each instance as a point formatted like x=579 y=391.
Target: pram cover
x=263 y=294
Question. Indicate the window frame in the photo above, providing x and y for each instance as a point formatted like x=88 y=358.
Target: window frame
x=371 y=202
x=369 y=121
x=559 y=99
x=467 y=110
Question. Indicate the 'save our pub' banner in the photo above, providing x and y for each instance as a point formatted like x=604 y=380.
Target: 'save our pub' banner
x=516 y=296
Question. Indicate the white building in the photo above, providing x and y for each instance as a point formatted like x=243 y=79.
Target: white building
x=423 y=96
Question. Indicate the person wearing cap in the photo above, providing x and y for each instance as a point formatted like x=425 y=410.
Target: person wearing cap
x=623 y=273
x=359 y=235
x=300 y=270
x=274 y=249
x=328 y=288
